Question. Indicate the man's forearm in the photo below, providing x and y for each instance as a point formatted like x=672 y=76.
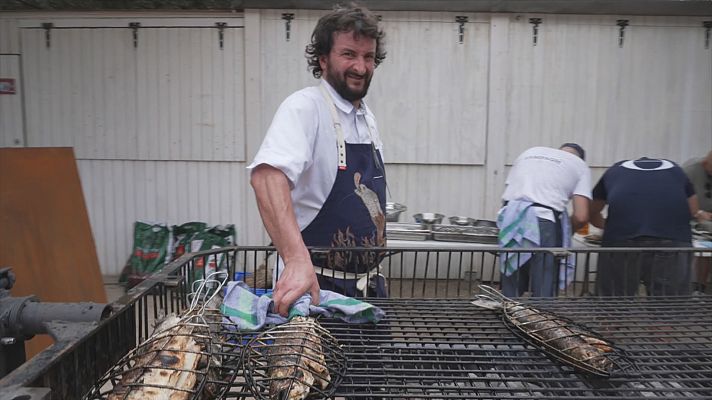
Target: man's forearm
x=275 y=205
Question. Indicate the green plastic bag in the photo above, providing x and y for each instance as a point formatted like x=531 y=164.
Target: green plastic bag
x=151 y=244
x=183 y=237
x=212 y=238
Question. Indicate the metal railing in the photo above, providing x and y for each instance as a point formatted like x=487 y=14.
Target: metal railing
x=455 y=273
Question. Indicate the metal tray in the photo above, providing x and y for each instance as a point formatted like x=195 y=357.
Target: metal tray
x=407 y=231
x=470 y=234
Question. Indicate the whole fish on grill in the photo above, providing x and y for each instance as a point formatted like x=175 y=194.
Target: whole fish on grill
x=559 y=337
x=171 y=363
x=165 y=368
x=296 y=361
x=559 y=334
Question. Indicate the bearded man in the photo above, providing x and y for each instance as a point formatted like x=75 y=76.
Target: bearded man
x=319 y=176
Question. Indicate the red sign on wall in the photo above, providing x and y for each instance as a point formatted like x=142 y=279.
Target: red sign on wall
x=7 y=86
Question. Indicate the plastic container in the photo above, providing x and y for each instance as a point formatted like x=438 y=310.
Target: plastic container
x=240 y=276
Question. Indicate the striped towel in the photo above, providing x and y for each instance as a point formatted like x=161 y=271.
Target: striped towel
x=518 y=228
x=567 y=268
x=251 y=312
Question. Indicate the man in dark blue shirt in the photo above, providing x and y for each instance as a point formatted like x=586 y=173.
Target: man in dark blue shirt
x=650 y=204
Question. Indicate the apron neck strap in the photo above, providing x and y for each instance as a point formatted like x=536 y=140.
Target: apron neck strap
x=341 y=145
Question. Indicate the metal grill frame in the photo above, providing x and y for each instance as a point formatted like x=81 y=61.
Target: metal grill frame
x=256 y=366
x=90 y=357
x=617 y=356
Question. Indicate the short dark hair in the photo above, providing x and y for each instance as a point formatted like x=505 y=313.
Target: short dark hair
x=350 y=18
x=581 y=152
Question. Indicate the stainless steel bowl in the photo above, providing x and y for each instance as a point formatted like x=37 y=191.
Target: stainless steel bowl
x=428 y=218
x=462 y=221
x=485 y=222
x=393 y=211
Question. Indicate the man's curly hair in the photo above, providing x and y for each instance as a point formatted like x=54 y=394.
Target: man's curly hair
x=351 y=18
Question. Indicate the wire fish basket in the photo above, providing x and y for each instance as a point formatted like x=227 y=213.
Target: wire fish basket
x=296 y=360
x=182 y=360
x=563 y=339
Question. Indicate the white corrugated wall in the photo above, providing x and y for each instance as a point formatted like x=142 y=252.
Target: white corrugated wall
x=9 y=35
x=11 y=126
x=163 y=131
x=157 y=127
x=651 y=96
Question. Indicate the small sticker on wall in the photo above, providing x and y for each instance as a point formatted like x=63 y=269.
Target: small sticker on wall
x=7 y=86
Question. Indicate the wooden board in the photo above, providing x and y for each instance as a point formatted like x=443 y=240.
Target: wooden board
x=45 y=235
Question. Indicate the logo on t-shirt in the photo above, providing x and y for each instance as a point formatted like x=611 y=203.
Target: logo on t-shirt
x=647 y=164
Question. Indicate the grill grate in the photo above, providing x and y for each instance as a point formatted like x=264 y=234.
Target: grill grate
x=450 y=349
x=425 y=348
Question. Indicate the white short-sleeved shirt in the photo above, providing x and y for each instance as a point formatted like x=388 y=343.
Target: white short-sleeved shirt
x=301 y=142
x=547 y=176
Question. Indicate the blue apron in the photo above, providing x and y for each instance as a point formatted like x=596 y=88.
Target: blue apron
x=353 y=215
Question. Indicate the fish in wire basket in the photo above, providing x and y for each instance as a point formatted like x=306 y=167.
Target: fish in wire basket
x=294 y=361
x=179 y=361
x=565 y=340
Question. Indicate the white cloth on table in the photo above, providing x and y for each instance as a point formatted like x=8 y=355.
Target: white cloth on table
x=702 y=244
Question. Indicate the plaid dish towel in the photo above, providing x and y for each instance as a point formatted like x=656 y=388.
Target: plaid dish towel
x=251 y=312
x=518 y=228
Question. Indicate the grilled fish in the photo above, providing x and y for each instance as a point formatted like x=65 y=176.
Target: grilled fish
x=567 y=341
x=166 y=367
x=170 y=363
x=561 y=335
x=296 y=361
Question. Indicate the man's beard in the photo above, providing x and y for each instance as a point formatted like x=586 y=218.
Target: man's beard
x=342 y=88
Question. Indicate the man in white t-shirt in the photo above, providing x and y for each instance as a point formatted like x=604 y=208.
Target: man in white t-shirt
x=319 y=177
x=539 y=187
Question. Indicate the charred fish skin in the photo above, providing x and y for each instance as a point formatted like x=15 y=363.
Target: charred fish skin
x=556 y=333
x=166 y=367
x=568 y=342
x=296 y=361
x=171 y=363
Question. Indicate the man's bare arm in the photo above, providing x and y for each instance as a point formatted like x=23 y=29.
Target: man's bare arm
x=596 y=218
x=275 y=205
x=580 y=217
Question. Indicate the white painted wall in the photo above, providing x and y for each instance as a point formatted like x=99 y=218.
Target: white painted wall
x=175 y=96
x=157 y=129
x=11 y=119
x=653 y=96
x=163 y=131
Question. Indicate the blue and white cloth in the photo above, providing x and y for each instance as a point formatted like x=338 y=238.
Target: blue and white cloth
x=702 y=244
x=518 y=228
x=251 y=312
x=567 y=269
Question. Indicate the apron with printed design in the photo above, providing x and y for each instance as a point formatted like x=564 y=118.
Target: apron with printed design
x=353 y=215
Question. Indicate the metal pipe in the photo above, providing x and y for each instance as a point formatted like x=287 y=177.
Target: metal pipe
x=34 y=315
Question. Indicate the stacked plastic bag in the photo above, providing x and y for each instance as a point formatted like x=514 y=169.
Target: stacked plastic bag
x=155 y=244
